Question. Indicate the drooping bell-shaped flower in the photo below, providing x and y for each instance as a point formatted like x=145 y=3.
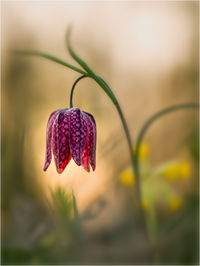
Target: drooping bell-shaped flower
x=71 y=133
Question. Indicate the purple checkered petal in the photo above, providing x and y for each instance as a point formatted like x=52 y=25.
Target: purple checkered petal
x=91 y=125
x=78 y=134
x=48 y=138
x=60 y=140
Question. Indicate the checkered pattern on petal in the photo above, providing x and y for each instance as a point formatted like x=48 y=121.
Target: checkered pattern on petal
x=60 y=140
x=71 y=133
x=91 y=148
x=78 y=134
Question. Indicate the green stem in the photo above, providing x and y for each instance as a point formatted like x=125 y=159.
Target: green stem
x=109 y=92
x=149 y=122
x=123 y=120
x=49 y=57
x=72 y=90
x=128 y=137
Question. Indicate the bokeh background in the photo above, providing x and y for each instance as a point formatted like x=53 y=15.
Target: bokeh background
x=148 y=53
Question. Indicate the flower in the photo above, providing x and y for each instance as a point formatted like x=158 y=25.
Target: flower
x=127 y=177
x=175 y=203
x=185 y=169
x=145 y=204
x=172 y=172
x=175 y=171
x=71 y=133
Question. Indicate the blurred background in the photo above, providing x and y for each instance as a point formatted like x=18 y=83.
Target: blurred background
x=148 y=53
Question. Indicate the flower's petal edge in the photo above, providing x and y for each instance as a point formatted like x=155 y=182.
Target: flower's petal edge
x=60 y=141
x=85 y=159
x=91 y=139
x=48 y=139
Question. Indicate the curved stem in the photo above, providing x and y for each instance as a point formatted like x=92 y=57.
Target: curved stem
x=73 y=87
x=149 y=123
x=130 y=143
x=111 y=95
x=49 y=57
x=118 y=109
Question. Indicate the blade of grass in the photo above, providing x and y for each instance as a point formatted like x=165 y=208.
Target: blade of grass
x=49 y=57
x=76 y=217
x=91 y=73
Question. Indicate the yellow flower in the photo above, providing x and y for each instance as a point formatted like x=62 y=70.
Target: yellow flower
x=176 y=171
x=144 y=151
x=185 y=170
x=172 y=172
x=175 y=203
x=145 y=204
x=127 y=178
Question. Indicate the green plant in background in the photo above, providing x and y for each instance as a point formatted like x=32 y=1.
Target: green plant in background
x=158 y=186
x=144 y=197
x=67 y=226
x=61 y=240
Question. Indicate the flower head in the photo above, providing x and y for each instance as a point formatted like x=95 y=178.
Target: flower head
x=177 y=170
x=127 y=177
x=71 y=133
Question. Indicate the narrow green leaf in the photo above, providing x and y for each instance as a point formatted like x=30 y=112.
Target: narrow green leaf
x=153 y=118
x=82 y=63
x=76 y=216
x=49 y=57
